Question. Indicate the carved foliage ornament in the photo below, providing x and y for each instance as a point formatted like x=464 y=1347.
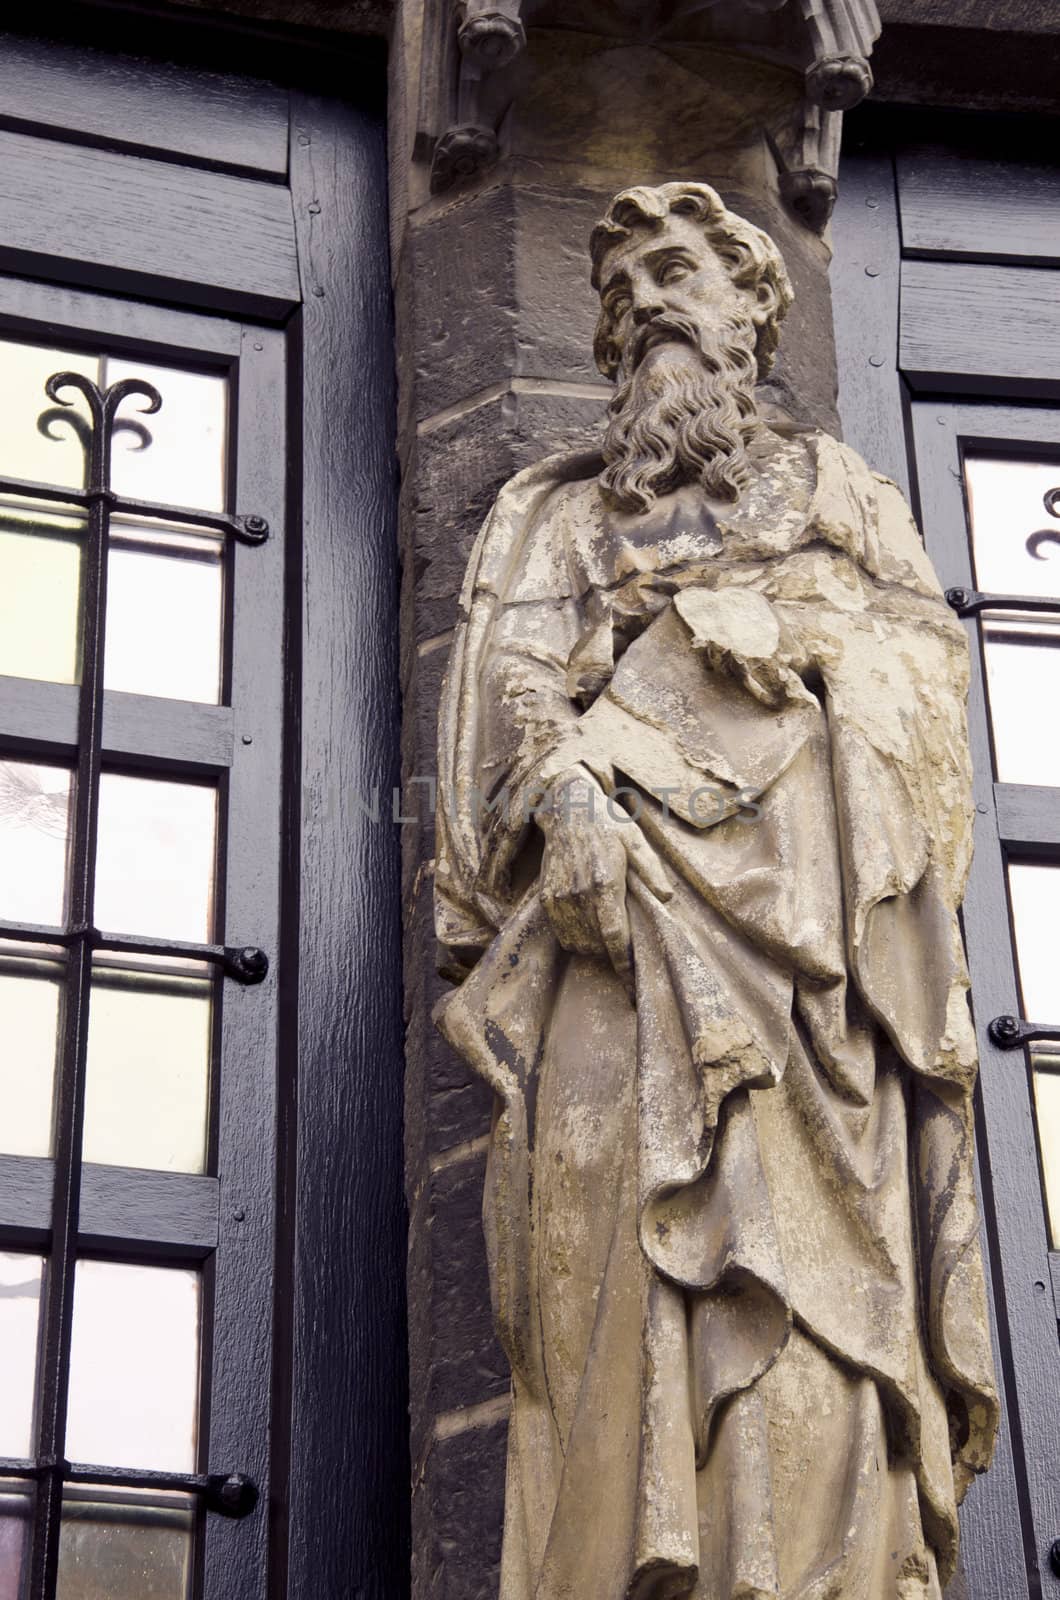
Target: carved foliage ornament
x=837 y=40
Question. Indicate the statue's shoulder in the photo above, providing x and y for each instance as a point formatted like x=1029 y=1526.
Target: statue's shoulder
x=520 y=531
x=867 y=513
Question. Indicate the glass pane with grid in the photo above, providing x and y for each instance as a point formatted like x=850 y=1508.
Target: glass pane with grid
x=1014 y=523
x=1013 y=501
x=110 y=1034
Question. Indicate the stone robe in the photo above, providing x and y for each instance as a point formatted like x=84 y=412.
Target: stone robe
x=732 y=1229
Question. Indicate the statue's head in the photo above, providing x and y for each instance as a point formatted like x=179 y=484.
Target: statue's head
x=691 y=300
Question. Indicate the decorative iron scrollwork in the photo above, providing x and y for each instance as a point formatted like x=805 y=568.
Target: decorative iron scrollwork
x=1044 y=536
x=246 y=964
x=971 y=602
x=96 y=437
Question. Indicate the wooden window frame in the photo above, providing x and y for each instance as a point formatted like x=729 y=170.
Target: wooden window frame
x=167 y=1217
x=913 y=401
x=331 y=1298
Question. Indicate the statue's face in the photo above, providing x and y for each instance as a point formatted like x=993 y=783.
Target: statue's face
x=672 y=271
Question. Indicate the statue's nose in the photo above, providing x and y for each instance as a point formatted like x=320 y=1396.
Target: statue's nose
x=645 y=311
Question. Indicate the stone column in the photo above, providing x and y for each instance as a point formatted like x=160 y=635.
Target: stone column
x=495 y=320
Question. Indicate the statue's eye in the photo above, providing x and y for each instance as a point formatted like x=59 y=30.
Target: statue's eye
x=672 y=272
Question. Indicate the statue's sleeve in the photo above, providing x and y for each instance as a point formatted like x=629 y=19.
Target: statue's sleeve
x=505 y=710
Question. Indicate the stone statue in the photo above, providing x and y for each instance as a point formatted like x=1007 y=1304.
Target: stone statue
x=707 y=827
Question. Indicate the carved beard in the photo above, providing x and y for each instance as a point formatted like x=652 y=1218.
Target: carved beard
x=685 y=421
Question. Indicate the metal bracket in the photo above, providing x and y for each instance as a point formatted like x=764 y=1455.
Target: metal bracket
x=230 y=1494
x=246 y=963
x=970 y=602
x=1012 y=1033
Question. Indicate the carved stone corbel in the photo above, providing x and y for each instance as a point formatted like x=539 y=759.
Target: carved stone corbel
x=490 y=34
x=842 y=34
x=808 y=164
x=829 y=41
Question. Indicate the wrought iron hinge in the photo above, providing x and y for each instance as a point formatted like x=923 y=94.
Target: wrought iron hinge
x=970 y=602
x=1012 y=1033
x=230 y=1494
x=246 y=963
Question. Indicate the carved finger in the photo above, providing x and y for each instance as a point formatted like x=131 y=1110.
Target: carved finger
x=648 y=867
x=613 y=922
x=575 y=931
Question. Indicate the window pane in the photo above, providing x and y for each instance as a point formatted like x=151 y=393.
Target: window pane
x=1023 y=674
x=1006 y=503
x=30 y=999
x=38 y=440
x=1035 y=895
x=134 y=1367
x=148 y=1078
x=121 y=1545
x=20 y=1280
x=34 y=833
x=16 y=1513
x=155 y=865
x=164 y=611
x=176 y=455
x=1047 y=1106
x=40 y=587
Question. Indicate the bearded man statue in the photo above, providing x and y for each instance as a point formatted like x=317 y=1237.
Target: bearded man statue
x=706 y=831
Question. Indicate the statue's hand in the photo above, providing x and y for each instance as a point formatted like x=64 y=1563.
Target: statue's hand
x=588 y=852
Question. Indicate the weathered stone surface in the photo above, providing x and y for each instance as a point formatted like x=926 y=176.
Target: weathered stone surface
x=457 y=467
x=457 y=1511
x=705 y=1224
x=1006 y=16
x=447 y=1104
x=964 y=69
x=459 y=1362
x=716 y=104
x=461 y=264
x=496 y=317
x=508 y=267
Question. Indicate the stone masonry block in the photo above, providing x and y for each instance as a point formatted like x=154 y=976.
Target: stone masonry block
x=460 y=465
x=456 y=1360
x=460 y=336
x=457 y=1512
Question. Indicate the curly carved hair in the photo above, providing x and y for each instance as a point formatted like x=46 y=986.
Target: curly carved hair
x=748 y=254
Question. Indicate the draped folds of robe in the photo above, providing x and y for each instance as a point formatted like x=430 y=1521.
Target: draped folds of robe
x=732 y=1229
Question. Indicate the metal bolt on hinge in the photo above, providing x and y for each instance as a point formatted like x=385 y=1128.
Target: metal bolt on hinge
x=1011 y=1033
x=1054 y=1557
x=233 y=1496
x=255 y=528
x=249 y=965
x=1004 y=1030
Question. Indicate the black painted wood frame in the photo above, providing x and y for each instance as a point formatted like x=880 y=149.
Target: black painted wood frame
x=348 y=1489
x=897 y=407
x=1011 y=820
x=329 y=1302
